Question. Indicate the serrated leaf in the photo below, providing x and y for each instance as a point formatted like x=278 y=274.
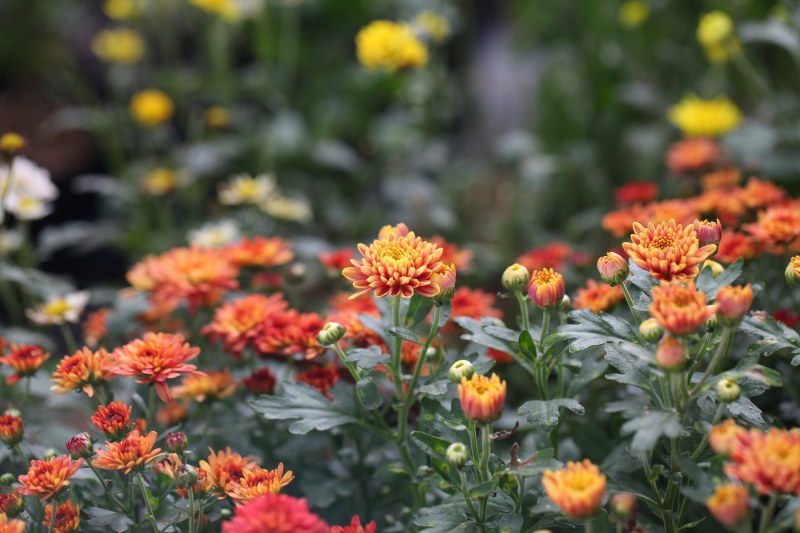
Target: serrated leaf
x=707 y=283
x=367 y=358
x=107 y=518
x=746 y=410
x=648 y=428
x=502 y=332
x=483 y=489
x=478 y=335
x=546 y=413
x=774 y=335
x=310 y=409
x=444 y=518
x=640 y=284
x=418 y=309
x=431 y=445
x=368 y=394
x=405 y=334
x=589 y=329
x=545 y=460
x=634 y=369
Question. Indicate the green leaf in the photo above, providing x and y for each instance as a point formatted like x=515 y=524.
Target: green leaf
x=634 y=369
x=589 y=329
x=367 y=358
x=545 y=460
x=707 y=283
x=418 y=309
x=775 y=336
x=771 y=31
x=107 y=518
x=445 y=518
x=368 y=394
x=746 y=410
x=640 y=284
x=479 y=335
x=546 y=413
x=483 y=489
x=431 y=445
x=647 y=429
x=526 y=345
x=405 y=334
x=445 y=312
x=310 y=409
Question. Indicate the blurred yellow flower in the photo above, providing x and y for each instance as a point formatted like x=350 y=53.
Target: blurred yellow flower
x=390 y=46
x=121 y=9
x=432 y=24
x=12 y=142
x=285 y=208
x=715 y=34
x=118 y=45
x=217 y=117
x=633 y=13
x=226 y=9
x=705 y=118
x=159 y=181
x=151 y=107
x=245 y=189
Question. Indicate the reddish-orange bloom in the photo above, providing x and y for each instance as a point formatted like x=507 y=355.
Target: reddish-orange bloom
x=259 y=481
x=577 y=489
x=729 y=504
x=723 y=437
x=154 y=359
x=636 y=193
x=690 y=155
x=291 y=333
x=758 y=194
x=224 y=469
x=785 y=316
x=239 y=322
x=680 y=308
x=727 y=204
x=68 y=517
x=260 y=252
x=275 y=513
x=777 y=226
x=11 y=525
x=94 y=327
x=499 y=357
x=613 y=268
x=261 y=382
x=733 y=303
x=546 y=288
x=668 y=251
x=452 y=254
x=598 y=297
x=321 y=378
x=45 y=478
x=346 y=312
x=356 y=527
x=475 y=303
x=171 y=414
x=482 y=398
x=25 y=359
x=670 y=354
x=80 y=371
x=337 y=260
x=554 y=255
x=769 y=461
x=682 y=211
x=618 y=223
x=734 y=245
x=723 y=178
x=11 y=503
x=12 y=429
x=114 y=421
x=396 y=265
x=133 y=452
x=206 y=387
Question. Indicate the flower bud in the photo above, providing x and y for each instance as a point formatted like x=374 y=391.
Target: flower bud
x=622 y=507
x=49 y=453
x=613 y=268
x=331 y=333
x=186 y=476
x=712 y=323
x=546 y=288
x=482 y=398
x=11 y=144
x=792 y=272
x=11 y=503
x=566 y=304
x=670 y=354
x=457 y=453
x=445 y=278
x=716 y=268
x=80 y=446
x=728 y=390
x=651 y=330
x=708 y=232
x=516 y=277
x=7 y=479
x=296 y=273
x=733 y=303
x=225 y=512
x=176 y=442
x=12 y=429
x=460 y=369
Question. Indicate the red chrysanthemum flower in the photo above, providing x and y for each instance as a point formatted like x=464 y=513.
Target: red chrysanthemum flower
x=452 y=254
x=680 y=308
x=113 y=421
x=618 y=223
x=11 y=503
x=134 y=452
x=12 y=429
x=45 y=478
x=553 y=255
x=68 y=517
x=598 y=297
x=206 y=387
x=275 y=513
x=261 y=382
x=291 y=333
x=668 y=251
x=734 y=245
x=337 y=260
x=94 y=327
x=239 y=322
x=475 y=303
x=259 y=481
x=636 y=193
x=356 y=527
x=346 y=312
x=155 y=359
x=81 y=371
x=25 y=359
x=321 y=378
x=769 y=461
x=224 y=469
x=260 y=252
x=785 y=316
x=690 y=155
x=682 y=211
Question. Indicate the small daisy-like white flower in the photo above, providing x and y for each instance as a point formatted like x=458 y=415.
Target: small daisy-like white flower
x=60 y=309
x=285 y=208
x=26 y=189
x=215 y=234
x=244 y=189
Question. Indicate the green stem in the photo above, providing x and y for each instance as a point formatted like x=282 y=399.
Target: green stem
x=18 y=449
x=69 y=338
x=473 y=444
x=150 y=514
x=587 y=525
x=768 y=512
x=723 y=348
x=521 y=487
x=200 y=517
x=703 y=443
x=105 y=487
x=343 y=358
x=545 y=327
x=191 y=509
x=469 y=501
x=151 y=406
x=486 y=448
x=523 y=310
x=397 y=346
x=53 y=511
x=628 y=299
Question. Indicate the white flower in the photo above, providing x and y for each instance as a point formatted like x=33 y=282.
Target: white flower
x=60 y=309
x=10 y=240
x=285 y=208
x=244 y=189
x=26 y=189
x=215 y=234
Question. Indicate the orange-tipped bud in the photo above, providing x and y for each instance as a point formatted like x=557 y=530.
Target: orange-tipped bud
x=708 y=232
x=11 y=503
x=546 y=288
x=482 y=398
x=733 y=303
x=80 y=446
x=729 y=504
x=445 y=278
x=670 y=354
x=613 y=268
x=12 y=430
x=176 y=442
x=792 y=272
x=651 y=330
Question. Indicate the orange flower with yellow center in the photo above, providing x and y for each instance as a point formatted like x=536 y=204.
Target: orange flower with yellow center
x=576 y=489
x=769 y=461
x=733 y=303
x=275 y=513
x=759 y=193
x=11 y=525
x=395 y=265
x=12 y=429
x=723 y=178
x=482 y=398
x=238 y=323
x=777 y=226
x=25 y=359
x=668 y=251
x=546 y=288
x=224 y=469
x=723 y=437
x=729 y=504
x=131 y=453
x=114 y=421
x=260 y=252
x=47 y=477
x=154 y=359
x=598 y=297
x=207 y=387
x=68 y=517
x=680 y=308
x=80 y=371
x=258 y=481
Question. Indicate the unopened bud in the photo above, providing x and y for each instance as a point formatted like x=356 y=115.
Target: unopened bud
x=715 y=268
x=670 y=354
x=176 y=442
x=225 y=512
x=566 y=303
x=7 y=479
x=613 y=268
x=445 y=278
x=331 y=333
x=708 y=232
x=728 y=390
x=460 y=369
x=187 y=476
x=296 y=273
x=49 y=453
x=713 y=321
x=12 y=429
x=80 y=446
x=11 y=503
x=651 y=330
x=516 y=277
x=457 y=453
x=622 y=507
x=791 y=272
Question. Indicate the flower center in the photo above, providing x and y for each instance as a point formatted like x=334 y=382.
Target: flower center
x=663 y=241
x=57 y=307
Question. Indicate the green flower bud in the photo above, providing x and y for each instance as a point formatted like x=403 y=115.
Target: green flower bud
x=516 y=277
x=651 y=330
x=331 y=333
x=186 y=477
x=49 y=453
x=728 y=390
x=460 y=369
x=7 y=479
x=457 y=454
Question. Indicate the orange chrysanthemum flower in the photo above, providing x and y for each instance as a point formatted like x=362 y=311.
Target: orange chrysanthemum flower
x=346 y=312
x=68 y=517
x=11 y=525
x=598 y=297
x=356 y=527
x=275 y=513
x=576 y=489
x=12 y=429
x=482 y=398
x=337 y=260
x=11 y=503
x=94 y=327
x=729 y=504
x=474 y=303
x=723 y=437
x=733 y=303
x=258 y=481
x=777 y=226
x=207 y=387
x=113 y=421
x=321 y=378
x=154 y=359
x=734 y=245
x=291 y=333
x=723 y=178
x=260 y=252
x=452 y=254
x=45 y=478
x=133 y=452
x=682 y=211
x=224 y=469
x=239 y=322
x=80 y=371
x=758 y=194
x=680 y=308
x=690 y=155
x=395 y=265
x=618 y=223
x=727 y=204
x=639 y=192
x=769 y=461
x=668 y=251
x=554 y=255
x=171 y=414
x=546 y=288
x=25 y=359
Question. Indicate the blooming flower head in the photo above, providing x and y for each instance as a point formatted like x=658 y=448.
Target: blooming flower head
x=618 y=223
x=482 y=398
x=396 y=266
x=777 y=226
x=60 y=310
x=598 y=297
x=321 y=378
x=225 y=469
x=668 y=251
x=723 y=437
x=113 y=421
x=348 y=313
x=733 y=303
x=734 y=245
x=546 y=288
x=11 y=525
x=118 y=45
x=355 y=527
x=47 y=477
x=390 y=46
x=132 y=453
x=287 y=208
x=336 y=260
x=155 y=359
x=691 y=155
x=759 y=194
x=554 y=255
x=12 y=429
x=11 y=503
x=80 y=371
x=151 y=107
x=714 y=28
x=475 y=303
x=206 y=387
x=258 y=481
x=637 y=192
x=696 y=117
x=214 y=234
x=680 y=308
x=239 y=322
x=260 y=252
x=290 y=333
x=26 y=189
x=25 y=359
x=275 y=513
x=94 y=327
x=262 y=381
x=432 y=24
x=729 y=504
x=723 y=178
x=576 y=489
x=68 y=517
x=770 y=461
x=160 y=181
x=244 y=189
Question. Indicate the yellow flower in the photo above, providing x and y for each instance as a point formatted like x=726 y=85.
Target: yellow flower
x=576 y=489
x=286 y=208
x=217 y=117
x=432 y=24
x=244 y=189
x=705 y=118
x=714 y=29
x=121 y=9
x=224 y=8
x=633 y=13
x=390 y=46
x=151 y=107
x=118 y=45
x=159 y=181
x=11 y=142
